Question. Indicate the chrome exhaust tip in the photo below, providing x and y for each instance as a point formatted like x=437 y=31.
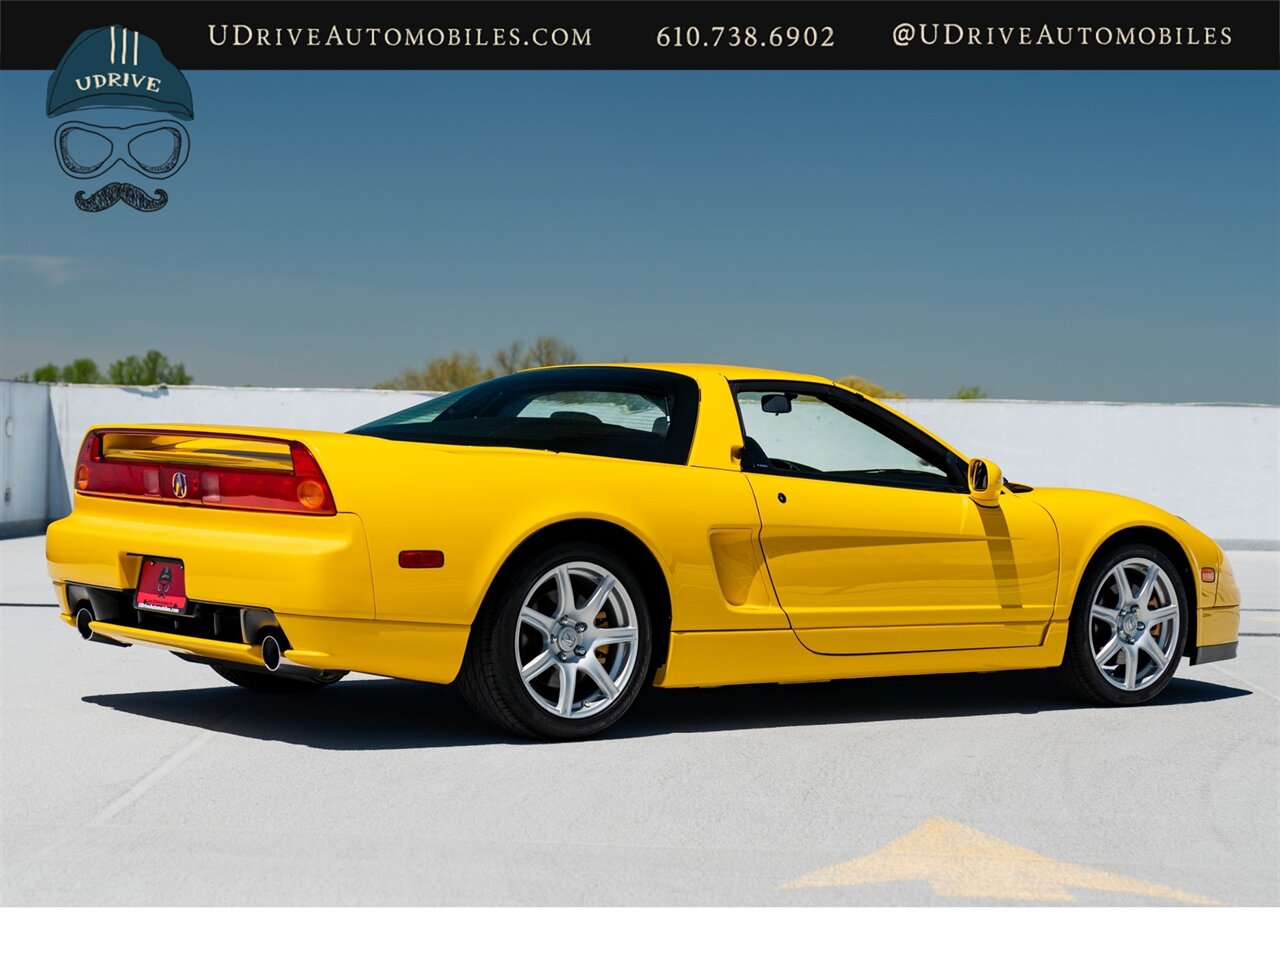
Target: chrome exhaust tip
x=84 y=618
x=272 y=652
x=273 y=648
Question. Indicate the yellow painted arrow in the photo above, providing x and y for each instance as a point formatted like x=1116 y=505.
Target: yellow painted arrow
x=959 y=861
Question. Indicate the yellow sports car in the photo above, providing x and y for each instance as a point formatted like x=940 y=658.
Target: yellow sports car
x=555 y=540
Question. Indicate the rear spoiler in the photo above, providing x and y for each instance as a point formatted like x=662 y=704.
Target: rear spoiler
x=203 y=469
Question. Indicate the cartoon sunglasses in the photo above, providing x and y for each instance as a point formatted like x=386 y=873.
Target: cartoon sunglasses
x=156 y=150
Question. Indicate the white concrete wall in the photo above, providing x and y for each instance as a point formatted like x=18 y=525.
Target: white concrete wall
x=1214 y=464
x=25 y=460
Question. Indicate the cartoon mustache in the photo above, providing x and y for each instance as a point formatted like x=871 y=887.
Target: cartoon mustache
x=113 y=193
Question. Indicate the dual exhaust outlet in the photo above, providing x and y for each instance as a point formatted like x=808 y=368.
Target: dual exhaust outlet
x=273 y=643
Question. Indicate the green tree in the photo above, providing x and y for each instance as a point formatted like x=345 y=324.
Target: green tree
x=974 y=392
x=150 y=369
x=81 y=370
x=869 y=389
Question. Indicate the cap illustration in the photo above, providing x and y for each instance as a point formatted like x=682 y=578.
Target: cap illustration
x=118 y=67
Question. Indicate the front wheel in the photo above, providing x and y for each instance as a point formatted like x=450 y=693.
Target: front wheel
x=562 y=648
x=1128 y=628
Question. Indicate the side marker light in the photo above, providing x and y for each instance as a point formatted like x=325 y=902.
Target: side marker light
x=421 y=559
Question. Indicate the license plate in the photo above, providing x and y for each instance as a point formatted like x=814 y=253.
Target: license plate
x=162 y=586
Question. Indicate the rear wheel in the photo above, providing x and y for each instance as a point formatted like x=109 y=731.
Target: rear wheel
x=1128 y=628
x=266 y=682
x=561 y=649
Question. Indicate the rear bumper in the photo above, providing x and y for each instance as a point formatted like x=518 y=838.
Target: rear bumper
x=216 y=649
x=410 y=651
x=303 y=565
x=308 y=575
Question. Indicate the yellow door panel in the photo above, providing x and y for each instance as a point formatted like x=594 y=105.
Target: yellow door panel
x=848 y=557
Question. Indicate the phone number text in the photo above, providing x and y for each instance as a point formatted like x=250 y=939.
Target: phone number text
x=724 y=36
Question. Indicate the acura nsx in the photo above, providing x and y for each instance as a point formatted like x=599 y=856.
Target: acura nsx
x=556 y=540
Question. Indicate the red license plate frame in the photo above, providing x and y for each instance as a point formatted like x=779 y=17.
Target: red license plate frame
x=162 y=586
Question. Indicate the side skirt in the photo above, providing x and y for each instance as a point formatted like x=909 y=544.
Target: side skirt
x=1219 y=651
x=711 y=659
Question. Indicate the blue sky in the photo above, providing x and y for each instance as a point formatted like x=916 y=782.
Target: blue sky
x=1045 y=235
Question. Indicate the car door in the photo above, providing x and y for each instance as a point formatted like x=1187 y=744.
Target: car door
x=871 y=539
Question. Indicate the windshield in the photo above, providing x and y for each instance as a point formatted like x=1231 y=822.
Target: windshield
x=604 y=411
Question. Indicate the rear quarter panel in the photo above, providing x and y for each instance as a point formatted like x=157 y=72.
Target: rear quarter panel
x=478 y=504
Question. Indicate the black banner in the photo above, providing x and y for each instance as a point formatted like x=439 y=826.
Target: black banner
x=697 y=35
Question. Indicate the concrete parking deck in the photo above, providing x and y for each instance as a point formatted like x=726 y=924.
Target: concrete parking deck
x=131 y=777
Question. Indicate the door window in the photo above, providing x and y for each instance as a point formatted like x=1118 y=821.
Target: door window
x=808 y=433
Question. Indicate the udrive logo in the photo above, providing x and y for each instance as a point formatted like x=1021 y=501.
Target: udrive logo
x=112 y=73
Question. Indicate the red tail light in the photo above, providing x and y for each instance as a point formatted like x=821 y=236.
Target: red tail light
x=136 y=469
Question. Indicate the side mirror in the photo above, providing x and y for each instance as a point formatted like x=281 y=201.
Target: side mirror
x=775 y=403
x=985 y=483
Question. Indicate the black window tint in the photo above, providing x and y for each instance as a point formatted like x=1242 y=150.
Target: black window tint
x=610 y=412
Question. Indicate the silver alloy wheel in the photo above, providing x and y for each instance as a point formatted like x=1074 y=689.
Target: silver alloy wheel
x=1134 y=624
x=577 y=640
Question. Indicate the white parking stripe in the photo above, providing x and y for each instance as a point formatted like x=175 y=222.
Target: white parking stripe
x=152 y=778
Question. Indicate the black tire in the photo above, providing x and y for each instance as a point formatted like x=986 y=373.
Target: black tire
x=264 y=681
x=1088 y=635
x=490 y=678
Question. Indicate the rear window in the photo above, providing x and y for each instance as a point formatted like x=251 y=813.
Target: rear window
x=602 y=411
